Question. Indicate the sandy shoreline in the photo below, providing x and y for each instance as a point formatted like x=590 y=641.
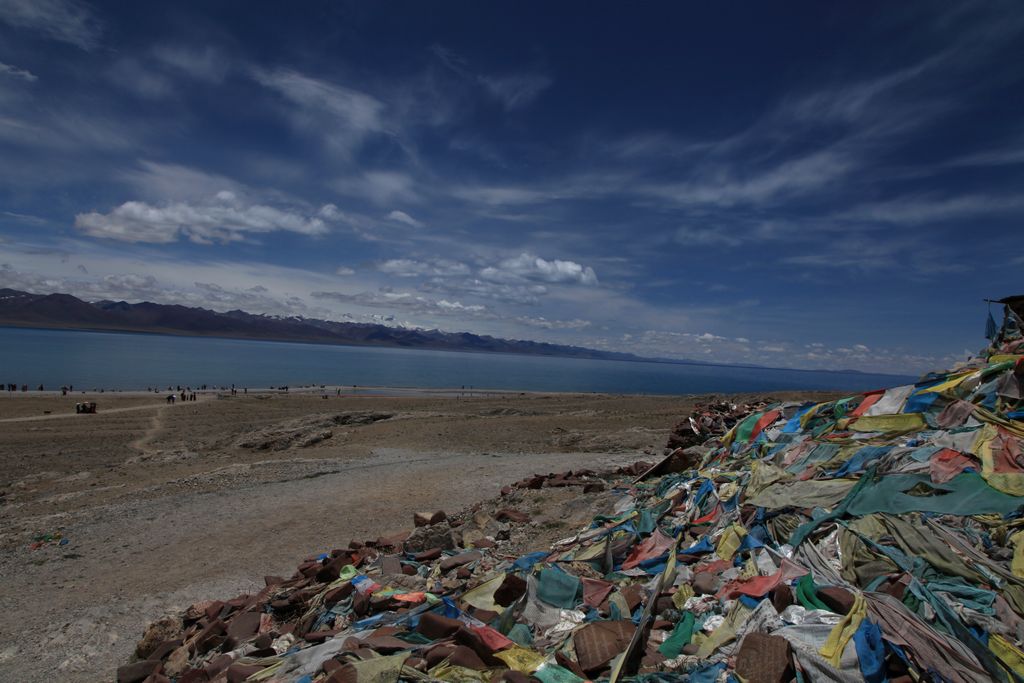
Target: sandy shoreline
x=164 y=505
x=331 y=391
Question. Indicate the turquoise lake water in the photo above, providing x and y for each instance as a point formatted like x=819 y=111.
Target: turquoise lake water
x=91 y=360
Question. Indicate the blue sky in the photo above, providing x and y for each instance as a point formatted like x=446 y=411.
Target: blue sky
x=793 y=184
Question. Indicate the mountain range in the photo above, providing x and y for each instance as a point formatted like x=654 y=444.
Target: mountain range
x=24 y=309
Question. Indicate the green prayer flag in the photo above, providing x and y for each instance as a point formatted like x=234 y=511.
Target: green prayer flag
x=807 y=593
x=558 y=588
x=681 y=635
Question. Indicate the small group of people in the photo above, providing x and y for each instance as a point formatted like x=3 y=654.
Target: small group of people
x=189 y=394
x=185 y=394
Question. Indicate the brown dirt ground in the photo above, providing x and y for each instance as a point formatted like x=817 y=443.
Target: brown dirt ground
x=162 y=507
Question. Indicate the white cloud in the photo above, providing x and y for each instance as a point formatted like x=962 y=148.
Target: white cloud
x=525 y=294
x=68 y=21
x=343 y=116
x=546 y=324
x=500 y=196
x=132 y=75
x=332 y=213
x=205 y=63
x=516 y=90
x=251 y=299
x=171 y=182
x=225 y=219
x=512 y=90
x=15 y=72
x=705 y=345
x=1011 y=155
x=131 y=281
x=654 y=144
x=24 y=218
x=380 y=187
x=404 y=267
x=918 y=210
x=785 y=353
x=731 y=186
x=765 y=163
x=531 y=267
x=459 y=306
x=389 y=299
x=598 y=184
x=906 y=256
x=706 y=237
x=345 y=271
x=69 y=130
x=849 y=103
x=858 y=253
x=403 y=217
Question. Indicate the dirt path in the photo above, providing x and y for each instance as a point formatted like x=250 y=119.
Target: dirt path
x=142 y=444
x=114 y=411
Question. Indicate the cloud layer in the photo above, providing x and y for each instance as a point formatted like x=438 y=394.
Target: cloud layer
x=222 y=220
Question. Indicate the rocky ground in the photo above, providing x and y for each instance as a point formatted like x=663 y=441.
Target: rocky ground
x=164 y=505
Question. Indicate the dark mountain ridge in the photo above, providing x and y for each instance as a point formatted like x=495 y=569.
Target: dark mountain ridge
x=25 y=309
